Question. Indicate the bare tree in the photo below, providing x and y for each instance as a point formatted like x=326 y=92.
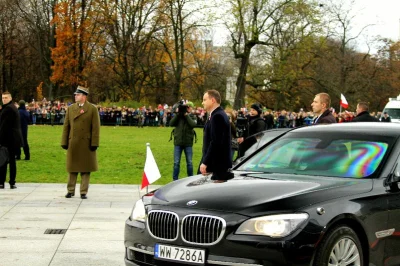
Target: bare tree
x=37 y=16
x=341 y=18
x=181 y=19
x=253 y=23
x=130 y=26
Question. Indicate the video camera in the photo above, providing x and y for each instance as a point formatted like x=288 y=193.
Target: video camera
x=241 y=125
x=181 y=106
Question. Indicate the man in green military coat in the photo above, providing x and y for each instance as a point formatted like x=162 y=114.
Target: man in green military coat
x=81 y=137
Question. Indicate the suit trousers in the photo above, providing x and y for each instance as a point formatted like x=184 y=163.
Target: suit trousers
x=13 y=168
x=85 y=178
x=26 y=150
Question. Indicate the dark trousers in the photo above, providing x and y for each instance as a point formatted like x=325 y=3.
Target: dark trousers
x=26 y=150
x=13 y=168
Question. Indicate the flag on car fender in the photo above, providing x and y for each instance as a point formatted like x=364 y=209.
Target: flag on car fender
x=151 y=173
x=343 y=101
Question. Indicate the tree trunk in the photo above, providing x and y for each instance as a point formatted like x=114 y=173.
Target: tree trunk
x=241 y=79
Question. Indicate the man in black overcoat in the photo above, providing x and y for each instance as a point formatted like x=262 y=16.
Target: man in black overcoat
x=386 y=117
x=24 y=119
x=320 y=106
x=363 y=114
x=10 y=137
x=217 y=157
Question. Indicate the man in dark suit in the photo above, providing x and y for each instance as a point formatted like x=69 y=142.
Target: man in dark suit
x=320 y=106
x=10 y=137
x=363 y=114
x=217 y=157
x=24 y=119
x=81 y=137
x=269 y=120
x=386 y=117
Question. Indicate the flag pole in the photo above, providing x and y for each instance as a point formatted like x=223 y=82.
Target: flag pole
x=147 y=145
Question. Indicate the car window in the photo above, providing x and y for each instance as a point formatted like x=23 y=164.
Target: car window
x=263 y=138
x=312 y=156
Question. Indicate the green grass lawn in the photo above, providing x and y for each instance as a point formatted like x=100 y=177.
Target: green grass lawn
x=121 y=155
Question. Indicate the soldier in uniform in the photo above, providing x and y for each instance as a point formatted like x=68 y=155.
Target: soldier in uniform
x=81 y=136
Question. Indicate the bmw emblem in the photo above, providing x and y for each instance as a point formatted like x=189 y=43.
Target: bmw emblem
x=191 y=203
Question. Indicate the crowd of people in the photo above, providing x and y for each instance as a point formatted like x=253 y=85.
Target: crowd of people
x=53 y=113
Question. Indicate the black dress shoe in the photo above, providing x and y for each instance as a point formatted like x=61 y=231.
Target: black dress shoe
x=83 y=196
x=68 y=195
x=13 y=186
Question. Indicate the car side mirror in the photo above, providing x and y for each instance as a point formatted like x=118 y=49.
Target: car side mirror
x=394 y=177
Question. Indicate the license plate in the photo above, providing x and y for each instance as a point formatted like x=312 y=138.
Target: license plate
x=191 y=255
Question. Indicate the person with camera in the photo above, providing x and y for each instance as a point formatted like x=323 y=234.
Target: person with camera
x=183 y=137
x=255 y=125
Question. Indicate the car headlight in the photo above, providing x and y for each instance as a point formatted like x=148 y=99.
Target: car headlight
x=139 y=212
x=273 y=225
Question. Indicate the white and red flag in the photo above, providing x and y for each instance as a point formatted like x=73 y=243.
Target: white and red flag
x=343 y=101
x=151 y=173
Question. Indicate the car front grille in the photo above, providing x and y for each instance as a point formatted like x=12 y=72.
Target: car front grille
x=195 y=228
x=163 y=225
x=202 y=229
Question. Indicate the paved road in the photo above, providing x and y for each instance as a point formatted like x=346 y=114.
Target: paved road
x=95 y=227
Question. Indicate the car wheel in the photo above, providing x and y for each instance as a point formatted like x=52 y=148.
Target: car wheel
x=340 y=247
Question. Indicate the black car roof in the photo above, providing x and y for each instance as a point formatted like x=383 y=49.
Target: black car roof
x=366 y=128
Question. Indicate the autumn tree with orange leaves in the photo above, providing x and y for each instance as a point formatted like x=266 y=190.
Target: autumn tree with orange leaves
x=77 y=38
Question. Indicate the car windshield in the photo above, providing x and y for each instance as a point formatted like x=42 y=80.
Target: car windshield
x=262 y=138
x=350 y=158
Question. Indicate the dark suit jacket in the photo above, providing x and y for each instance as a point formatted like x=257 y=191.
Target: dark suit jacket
x=326 y=118
x=25 y=118
x=364 y=117
x=269 y=120
x=10 y=128
x=217 y=143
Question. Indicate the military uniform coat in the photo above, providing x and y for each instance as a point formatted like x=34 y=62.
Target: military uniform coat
x=81 y=131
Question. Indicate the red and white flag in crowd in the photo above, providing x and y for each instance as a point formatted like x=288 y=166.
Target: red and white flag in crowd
x=343 y=101
x=151 y=173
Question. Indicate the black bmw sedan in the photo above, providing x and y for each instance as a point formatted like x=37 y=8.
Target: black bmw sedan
x=320 y=195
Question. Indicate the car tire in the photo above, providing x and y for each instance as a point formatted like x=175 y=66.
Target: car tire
x=340 y=243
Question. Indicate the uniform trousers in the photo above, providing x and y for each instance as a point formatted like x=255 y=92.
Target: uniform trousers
x=85 y=178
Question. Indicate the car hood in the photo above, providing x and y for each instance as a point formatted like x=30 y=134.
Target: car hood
x=249 y=193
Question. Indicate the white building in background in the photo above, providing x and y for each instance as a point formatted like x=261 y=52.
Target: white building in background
x=230 y=89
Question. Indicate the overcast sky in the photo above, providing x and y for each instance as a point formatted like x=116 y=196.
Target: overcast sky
x=385 y=14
